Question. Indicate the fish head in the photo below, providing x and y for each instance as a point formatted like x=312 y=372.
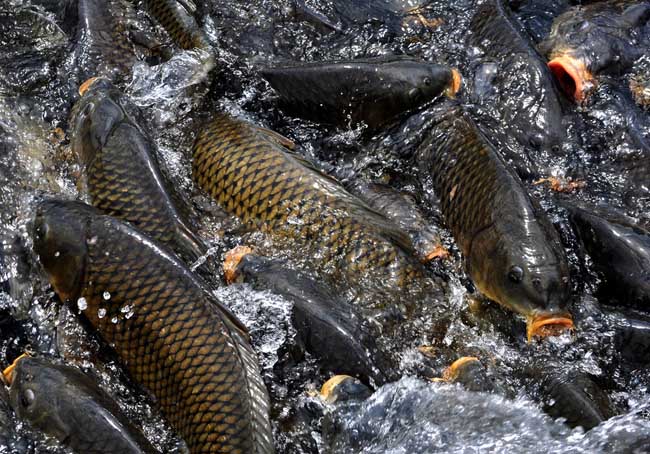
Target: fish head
x=423 y=82
x=532 y=281
x=59 y=234
x=588 y=41
x=94 y=118
x=34 y=394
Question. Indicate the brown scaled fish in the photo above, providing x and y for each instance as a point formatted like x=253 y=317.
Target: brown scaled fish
x=121 y=172
x=513 y=254
x=169 y=331
x=251 y=175
x=178 y=19
x=373 y=91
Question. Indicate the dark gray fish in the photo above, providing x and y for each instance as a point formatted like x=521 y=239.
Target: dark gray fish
x=620 y=250
x=66 y=404
x=372 y=91
x=512 y=251
x=121 y=170
x=526 y=100
x=103 y=47
x=599 y=38
x=574 y=396
x=632 y=338
x=330 y=329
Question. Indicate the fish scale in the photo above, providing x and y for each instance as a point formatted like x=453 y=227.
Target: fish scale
x=179 y=23
x=122 y=175
x=178 y=342
x=252 y=176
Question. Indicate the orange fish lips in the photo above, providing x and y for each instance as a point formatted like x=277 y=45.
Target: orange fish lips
x=455 y=85
x=546 y=325
x=573 y=76
x=8 y=373
x=231 y=262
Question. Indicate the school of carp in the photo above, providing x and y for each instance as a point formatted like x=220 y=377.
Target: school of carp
x=367 y=188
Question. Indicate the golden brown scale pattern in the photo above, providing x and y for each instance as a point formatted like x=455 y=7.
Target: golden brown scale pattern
x=179 y=22
x=247 y=171
x=122 y=175
x=175 y=340
x=468 y=176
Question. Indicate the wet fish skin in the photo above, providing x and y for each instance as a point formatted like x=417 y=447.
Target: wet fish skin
x=121 y=169
x=171 y=334
x=512 y=252
x=528 y=102
x=620 y=250
x=573 y=395
x=179 y=21
x=632 y=339
x=329 y=328
x=252 y=176
x=372 y=91
x=103 y=47
x=65 y=403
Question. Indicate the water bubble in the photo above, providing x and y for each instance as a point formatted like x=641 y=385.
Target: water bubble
x=101 y=313
x=114 y=320
x=106 y=296
x=93 y=240
x=82 y=304
x=57 y=253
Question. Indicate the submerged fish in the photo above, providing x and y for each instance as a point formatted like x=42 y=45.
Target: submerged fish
x=372 y=91
x=177 y=17
x=632 y=338
x=620 y=251
x=329 y=328
x=121 y=170
x=574 y=396
x=512 y=251
x=169 y=331
x=526 y=101
x=603 y=37
x=65 y=403
x=251 y=175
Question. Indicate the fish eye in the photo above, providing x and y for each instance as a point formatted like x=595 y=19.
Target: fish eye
x=27 y=398
x=555 y=148
x=427 y=81
x=516 y=274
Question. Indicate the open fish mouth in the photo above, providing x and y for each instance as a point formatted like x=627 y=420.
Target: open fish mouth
x=455 y=85
x=573 y=76
x=546 y=325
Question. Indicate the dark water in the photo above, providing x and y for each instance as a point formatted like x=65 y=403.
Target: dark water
x=606 y=149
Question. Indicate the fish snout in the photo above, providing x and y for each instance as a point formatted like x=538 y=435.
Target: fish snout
x=573 y=76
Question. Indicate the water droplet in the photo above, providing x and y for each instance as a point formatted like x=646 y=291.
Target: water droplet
x=101 y=313
x=125 y=309
x=107 y=296
x=57 y=253
x=92 y=240
x=114 y=320
x=82 y=304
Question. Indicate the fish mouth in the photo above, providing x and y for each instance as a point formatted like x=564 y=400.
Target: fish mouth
x=456 y=83
x=327 y=390
x=231 y=262
x=451 y=373
x=573 y=76
x=8 y=373
x=83 y=88
x=546 y=325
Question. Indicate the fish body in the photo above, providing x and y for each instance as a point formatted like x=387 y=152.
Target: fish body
x=253 y=177
x=102 y=46
x=527 y=102
x=512 y=252
x=167 y=328
x=179 y=21
x=620 y=251
x=121 y=170
x=372 y=91
x=65 y=403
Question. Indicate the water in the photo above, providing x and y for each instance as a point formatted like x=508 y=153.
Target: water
x=605 y=148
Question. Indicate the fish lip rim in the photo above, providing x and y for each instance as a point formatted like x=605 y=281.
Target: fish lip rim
x=535 y=322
